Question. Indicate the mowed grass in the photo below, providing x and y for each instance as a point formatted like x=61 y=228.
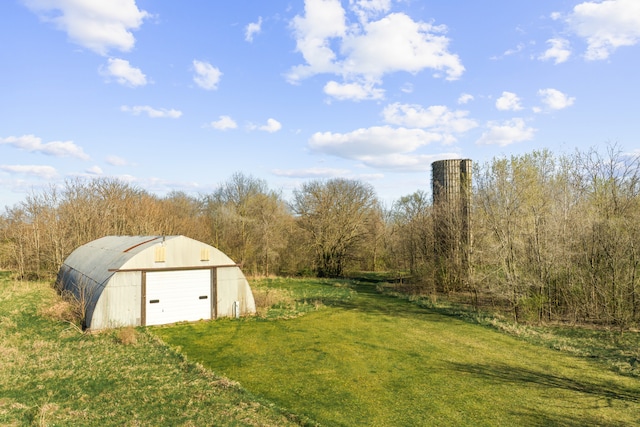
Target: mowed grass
x=53 y=374
x=360 y=358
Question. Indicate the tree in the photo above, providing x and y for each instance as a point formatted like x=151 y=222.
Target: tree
x=512 y=233
x=246 y=220
x=609 y=262
x=181 y=214
x=413 y=225
x=336 y=216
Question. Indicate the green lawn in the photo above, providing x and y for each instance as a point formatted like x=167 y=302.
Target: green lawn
x=360 y=358
x=52 y=374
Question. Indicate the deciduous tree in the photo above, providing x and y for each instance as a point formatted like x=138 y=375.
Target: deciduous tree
x=336 y=216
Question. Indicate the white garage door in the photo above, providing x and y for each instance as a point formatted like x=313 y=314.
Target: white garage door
x=175 y=296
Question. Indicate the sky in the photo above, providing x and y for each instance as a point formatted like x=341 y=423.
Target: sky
x=180 y=95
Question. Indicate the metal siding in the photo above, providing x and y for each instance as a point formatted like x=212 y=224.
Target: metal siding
x=214 y=293
x=180 y=252
x=119 y=304
x=232 y=286
x=226 y=290
x=183 y=295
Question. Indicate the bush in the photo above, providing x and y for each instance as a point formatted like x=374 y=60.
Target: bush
x=63 y=310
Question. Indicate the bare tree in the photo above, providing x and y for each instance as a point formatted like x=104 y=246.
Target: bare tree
x=608 y=266
x=335 y=215
x=247 y=220
x=413 y=224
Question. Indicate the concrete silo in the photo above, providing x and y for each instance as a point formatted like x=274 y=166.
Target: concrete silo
x=451 y=186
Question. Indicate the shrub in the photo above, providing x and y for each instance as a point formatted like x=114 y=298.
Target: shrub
x=63 y=310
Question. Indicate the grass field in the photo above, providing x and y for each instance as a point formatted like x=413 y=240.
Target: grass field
x=322 y=351
x=360 y=358
x=52 y=374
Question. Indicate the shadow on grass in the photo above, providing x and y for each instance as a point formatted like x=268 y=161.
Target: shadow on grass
x=537 y=419
x=369 y=300
x=510 y=374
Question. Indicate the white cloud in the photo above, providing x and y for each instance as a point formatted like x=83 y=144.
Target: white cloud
x=153 y=113
x=32 y=143
x=39 y=171
x=117 y=161
x=353 y=91
x=124 y=73
x=224 y=123
x=559 y=51
x=554 y=99
x=97 y=25
x=323 y=20
x=437 y=118
x=397 y=43
x=380 y=146
x=365 y=51
x=252 y=29
x=407 y=88
x=367 y=9
x=606 y=25
x=272 y=126
x=465 y=98
x=404 y=162
x=311 y=173
x=519 y=48
x=94 y=170
x=207 y=76
x=509 y=101
x=506 y=133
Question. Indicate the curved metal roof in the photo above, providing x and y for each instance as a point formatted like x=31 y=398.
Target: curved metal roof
x=89 y=268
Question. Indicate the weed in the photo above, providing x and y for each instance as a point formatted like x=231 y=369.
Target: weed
x=127 y=335
x=62 y=310
x=269 y=298
x=43 y=410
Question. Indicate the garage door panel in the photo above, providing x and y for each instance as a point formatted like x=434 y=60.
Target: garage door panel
x=175 y=296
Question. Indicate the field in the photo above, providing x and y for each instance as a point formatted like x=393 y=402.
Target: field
x=52 y=374
x=324 y=352
x=360 y=358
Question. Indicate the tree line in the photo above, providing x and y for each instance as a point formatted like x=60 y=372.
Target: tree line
x=554 y=237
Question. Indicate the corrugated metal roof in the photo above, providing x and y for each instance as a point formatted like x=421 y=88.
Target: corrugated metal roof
x=98 y=259
x=87 y=270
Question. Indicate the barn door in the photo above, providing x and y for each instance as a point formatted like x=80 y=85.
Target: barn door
x=176 y=296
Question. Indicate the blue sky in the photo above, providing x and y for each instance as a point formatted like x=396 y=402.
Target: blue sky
x=179 y=95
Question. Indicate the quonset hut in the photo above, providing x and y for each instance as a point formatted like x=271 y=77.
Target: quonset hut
x=153 y=280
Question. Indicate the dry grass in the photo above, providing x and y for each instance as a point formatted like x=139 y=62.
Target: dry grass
x=65 y=309
x=51 y=373
x=267 y=298
x=42 y=412
x=127 y=335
